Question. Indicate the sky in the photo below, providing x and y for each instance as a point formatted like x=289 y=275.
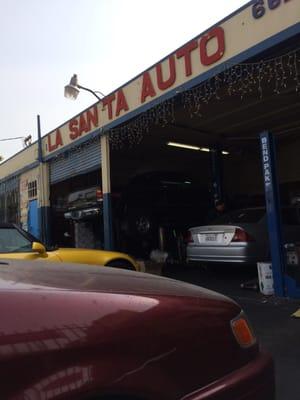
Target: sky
x=105 y=42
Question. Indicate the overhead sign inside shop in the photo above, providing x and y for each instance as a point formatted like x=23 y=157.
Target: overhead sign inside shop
x=259 y=21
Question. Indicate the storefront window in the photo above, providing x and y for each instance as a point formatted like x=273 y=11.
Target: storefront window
x=32 y=189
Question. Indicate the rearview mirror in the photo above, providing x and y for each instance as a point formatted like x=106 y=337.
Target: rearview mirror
x=38 y=248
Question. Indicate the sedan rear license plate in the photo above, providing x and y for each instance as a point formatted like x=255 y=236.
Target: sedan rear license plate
x=210 y=237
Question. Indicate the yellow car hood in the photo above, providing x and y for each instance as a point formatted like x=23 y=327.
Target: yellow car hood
x=71 y=255
x=92 y=257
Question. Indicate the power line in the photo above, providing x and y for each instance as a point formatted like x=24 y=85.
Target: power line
x=26 y=140
x=13 y=138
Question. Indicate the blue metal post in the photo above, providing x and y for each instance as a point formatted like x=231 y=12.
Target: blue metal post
x=41 y=217
x=106 y=188
x=44 y=210
x=268 y=154
x=40 y=145
x=217 y=174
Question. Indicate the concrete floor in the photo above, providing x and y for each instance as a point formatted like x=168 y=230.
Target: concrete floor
x=277 y=331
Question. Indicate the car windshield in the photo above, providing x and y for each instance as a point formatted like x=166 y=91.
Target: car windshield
x=246 y=216
x=12 y=241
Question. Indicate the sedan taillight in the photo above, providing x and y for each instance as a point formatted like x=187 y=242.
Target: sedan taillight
x=188 y=237
x=241 y=236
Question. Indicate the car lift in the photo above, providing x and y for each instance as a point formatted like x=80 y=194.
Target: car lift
x=285 y=283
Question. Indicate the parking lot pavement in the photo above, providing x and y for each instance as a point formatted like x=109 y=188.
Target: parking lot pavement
x=278 y=332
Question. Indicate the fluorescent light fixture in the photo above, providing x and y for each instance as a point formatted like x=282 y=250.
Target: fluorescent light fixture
x=188 y=146
x=183 y=146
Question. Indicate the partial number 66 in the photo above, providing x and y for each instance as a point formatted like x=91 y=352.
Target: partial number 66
x=259 y=6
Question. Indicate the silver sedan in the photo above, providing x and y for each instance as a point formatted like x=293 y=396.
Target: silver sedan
x=239 y=237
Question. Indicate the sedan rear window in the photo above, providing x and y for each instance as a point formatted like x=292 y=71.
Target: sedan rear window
x=247 y=216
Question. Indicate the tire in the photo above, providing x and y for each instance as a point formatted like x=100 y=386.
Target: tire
x=140 y=232
x=122 y=264
x=141 y=223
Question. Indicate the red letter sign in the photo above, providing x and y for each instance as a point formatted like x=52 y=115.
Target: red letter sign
x=107 y=101
x=147 y=87
x=218 y=34
x=92 y=118
x=73 y=128
x=121 y=102
x=185 y=52
x=58 y=141
x=170 y=81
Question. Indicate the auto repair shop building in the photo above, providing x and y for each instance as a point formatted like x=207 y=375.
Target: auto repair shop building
x=213 y=96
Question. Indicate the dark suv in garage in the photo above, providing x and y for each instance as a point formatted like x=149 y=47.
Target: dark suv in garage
x=154 y=200
x=161 y=199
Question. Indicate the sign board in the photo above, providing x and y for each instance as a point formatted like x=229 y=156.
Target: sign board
x=258 y=21
x=268 y=156
x=252 y=29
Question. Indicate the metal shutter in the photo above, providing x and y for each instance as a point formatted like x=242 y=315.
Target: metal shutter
x=75 y=162
x=10 y=200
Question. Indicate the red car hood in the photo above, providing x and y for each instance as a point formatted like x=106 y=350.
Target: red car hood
x=38 y=275
x=136 y=329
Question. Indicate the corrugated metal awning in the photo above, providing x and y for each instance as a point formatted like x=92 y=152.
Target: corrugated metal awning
x=9 y=184
x=76 y=162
